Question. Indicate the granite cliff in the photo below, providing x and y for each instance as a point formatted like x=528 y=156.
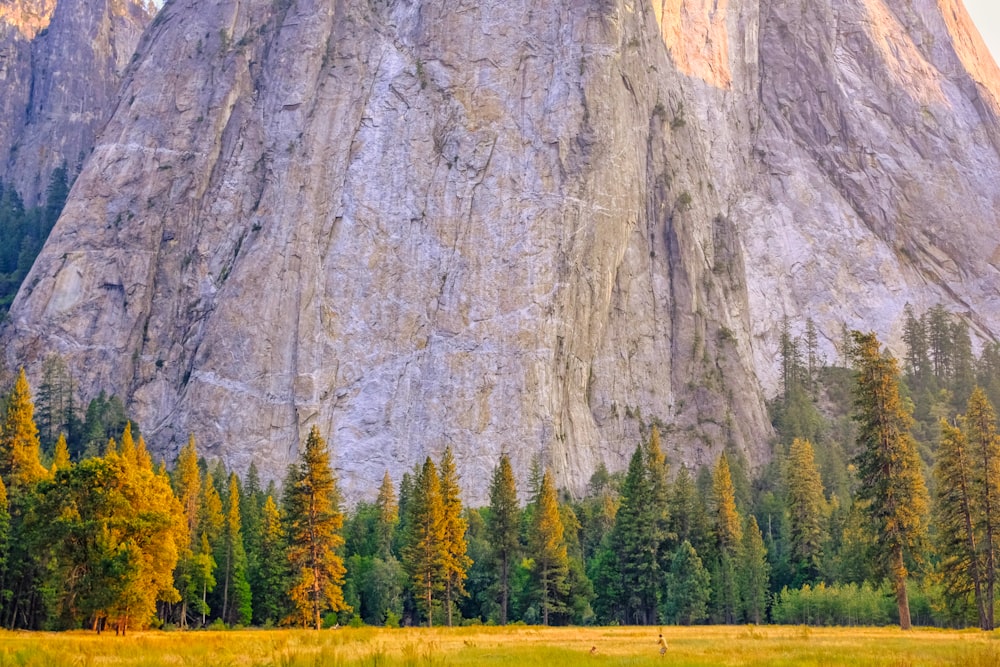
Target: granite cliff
x=60 y=67
x=533 y=227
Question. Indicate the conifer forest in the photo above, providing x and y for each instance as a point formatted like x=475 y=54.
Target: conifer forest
x=880 y=505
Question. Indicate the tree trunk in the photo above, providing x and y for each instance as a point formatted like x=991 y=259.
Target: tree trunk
x=447 y=597
x=225 y=589
x=503 y=589
x=899 y=579
x=430 y=609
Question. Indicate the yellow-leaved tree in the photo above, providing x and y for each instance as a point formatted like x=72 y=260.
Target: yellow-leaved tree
x=313 y=526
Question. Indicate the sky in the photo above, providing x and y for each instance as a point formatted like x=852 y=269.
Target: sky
x=986 y=14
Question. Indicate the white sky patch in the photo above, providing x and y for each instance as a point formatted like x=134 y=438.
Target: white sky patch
x=986 y=15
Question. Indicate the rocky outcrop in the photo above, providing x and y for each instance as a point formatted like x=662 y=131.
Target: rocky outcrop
x=60 y=67
x=522 y=226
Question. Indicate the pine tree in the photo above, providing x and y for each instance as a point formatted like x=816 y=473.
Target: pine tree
x=548 y=551
x=314 y=523
x=20 y=464
x=688 y=587
x=203 y=575
x=504 y=526
x=54 y=401
x=980 y=425
x=186 y=481
x=729 y=536
x=687 y=519
x=270 y=578
x=60 y=455
x=210 y=524
x=918 y=365
x=236 y=604
x=806 y=508
x=958 y=519
x=753 y=573
x=456 y=560
x=888 y=464
x=424 y=555
x=939 y=343
x=636 y=544
x=388 y=516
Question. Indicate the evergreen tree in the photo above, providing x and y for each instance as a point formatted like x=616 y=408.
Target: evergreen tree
x=806 y=508
x=958 y=519
x=203 y=576
x=186 y=481
x=314 y=523
x=753 y=573
x=424 y=555
x=687 y=518
x=939 y=343
x=918 y=364
x=504 y=523
x=688 y=588
x=888 y=465
x=271 y=575
x=211 y=521
x=20 y=463
x=456 y=561
x=548 y=550
x=54 y=401
x=60 y=455
x=636 y=545
x=388 y=517
x=729 y=536
x=236 y=604
x=980 y=425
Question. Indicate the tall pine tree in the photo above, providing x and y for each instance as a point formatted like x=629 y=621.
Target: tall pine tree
x=548 y=551
x=504 y=525
x=456 y=560
x=314 y=523
x=424 y=555
x=891 y=483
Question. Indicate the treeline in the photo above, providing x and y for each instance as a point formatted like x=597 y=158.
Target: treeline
x=863 y=516
x=24 y=231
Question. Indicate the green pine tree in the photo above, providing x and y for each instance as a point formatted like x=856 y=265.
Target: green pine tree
x=424 y=554
x=504 y=526
x=891 y=482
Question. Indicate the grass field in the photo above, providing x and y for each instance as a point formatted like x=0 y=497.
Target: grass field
x=516 y=647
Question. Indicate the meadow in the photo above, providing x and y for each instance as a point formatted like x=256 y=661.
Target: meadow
x=520 y=646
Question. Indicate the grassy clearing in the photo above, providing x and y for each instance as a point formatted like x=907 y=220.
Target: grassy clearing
x=516 y=647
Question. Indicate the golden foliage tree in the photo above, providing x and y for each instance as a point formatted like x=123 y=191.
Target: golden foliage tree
x=456 y=561
x=806 y=507
x=548 y=551
x=314 y=524
x=20 y=462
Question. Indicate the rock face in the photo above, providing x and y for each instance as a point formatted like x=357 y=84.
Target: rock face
x=879 y=156
x=530 y=226
x=60 y=67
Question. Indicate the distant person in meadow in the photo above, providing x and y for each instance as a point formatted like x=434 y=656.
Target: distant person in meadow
x=662 y=643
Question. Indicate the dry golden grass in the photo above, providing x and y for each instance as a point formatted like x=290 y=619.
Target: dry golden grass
x=514 y=646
